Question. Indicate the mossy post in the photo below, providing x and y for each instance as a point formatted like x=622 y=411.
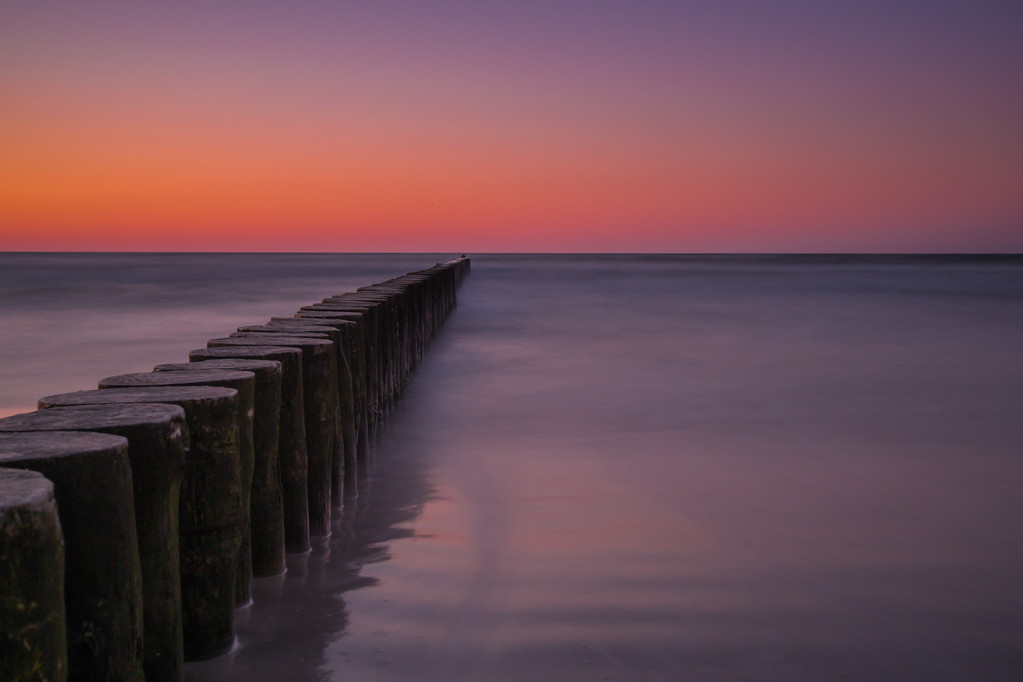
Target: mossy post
x=157 y=441
x=293 y=463
x=91 y=479
x=33 y=636
x=319 y=380
x=209 y=509
x=266 y=511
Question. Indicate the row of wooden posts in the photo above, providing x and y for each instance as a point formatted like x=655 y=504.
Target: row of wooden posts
x=133 y=517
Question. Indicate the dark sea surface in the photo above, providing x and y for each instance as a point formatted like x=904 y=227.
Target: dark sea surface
x=622 y=467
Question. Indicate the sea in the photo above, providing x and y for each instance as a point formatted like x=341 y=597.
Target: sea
x=621 y=467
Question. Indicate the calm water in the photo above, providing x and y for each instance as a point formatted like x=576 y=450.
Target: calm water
x=70 y=319
x=624 y=468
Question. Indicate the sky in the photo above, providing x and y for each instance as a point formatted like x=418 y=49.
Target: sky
x=528 y=126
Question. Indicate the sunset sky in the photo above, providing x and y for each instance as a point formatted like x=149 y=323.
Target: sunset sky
x=561 y=125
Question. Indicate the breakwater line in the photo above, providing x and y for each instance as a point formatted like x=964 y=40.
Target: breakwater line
x=172 y=489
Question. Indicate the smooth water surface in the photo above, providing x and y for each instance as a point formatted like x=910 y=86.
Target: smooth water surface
x=662 y=468
x=70 y=319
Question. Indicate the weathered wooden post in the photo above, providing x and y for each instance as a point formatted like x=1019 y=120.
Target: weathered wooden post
x=319 y=379
x=406 y=294
x=209 y=509
x=291 y=450
x=355 y=339
x=33 y=635
x=395 y=300
x=266 y=511
x=349 y=388
x=244 y=383
x=385 y=323
x=372 y=354
x=387 y=331
x=102 y=585
x=344 y=461
x=157 y=440
x=333 y=391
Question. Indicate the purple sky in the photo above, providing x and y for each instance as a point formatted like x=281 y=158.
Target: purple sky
x=529 y=126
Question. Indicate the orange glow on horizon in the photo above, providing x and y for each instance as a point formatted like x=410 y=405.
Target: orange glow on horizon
x=145 y=146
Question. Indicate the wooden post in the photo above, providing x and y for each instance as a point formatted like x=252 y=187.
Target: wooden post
x=209 y=509
x=350 y=392
x=157 y=440
x=355 y=339
x=291 y=449
x=102 y=586
x=344 y=462
x=372 y=347
x=319 y=379
x=33 y=635
x=266 y=512
x=385 y=323
x=244 y=383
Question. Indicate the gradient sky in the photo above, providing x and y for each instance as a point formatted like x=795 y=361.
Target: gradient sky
x=561 y=125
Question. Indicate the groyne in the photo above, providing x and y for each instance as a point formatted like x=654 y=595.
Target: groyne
x=134 y=516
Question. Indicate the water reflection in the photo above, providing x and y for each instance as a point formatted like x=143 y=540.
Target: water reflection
x=653 y=468
x=720 y=474
x=286 y=633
